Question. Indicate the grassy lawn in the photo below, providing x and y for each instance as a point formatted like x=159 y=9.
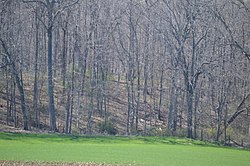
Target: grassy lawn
x=135 y=150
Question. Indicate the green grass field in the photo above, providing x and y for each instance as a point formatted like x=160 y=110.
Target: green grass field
x=134 y=150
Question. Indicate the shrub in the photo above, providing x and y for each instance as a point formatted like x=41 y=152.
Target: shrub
x=181 y=132
x=107 y=127
x=155 y=131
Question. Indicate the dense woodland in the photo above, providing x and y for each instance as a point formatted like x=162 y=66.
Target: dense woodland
x=134 y=67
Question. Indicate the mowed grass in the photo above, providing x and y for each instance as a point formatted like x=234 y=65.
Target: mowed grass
x=131 y=150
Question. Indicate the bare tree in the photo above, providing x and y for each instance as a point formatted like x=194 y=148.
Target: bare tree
x=54 y=8
x=9 y=53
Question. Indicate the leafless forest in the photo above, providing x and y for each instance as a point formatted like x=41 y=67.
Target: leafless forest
x=134 y=67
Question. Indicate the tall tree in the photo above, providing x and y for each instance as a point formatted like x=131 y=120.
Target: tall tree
x=53 y=8
x=9 y=36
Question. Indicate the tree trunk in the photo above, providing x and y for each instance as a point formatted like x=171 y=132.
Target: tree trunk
x=19 y=86
x=7 y=97
x=23 y=104
x=35 y=93
x=161 y=93
x=67 y=114
x=181 y=110
x=72 y=92
x=64 y=59
x=138 y=92
x=249 y=130
x=90 y=112
x=51 y=107
x=132 y=101
x=196 y=104
x=175 y=113
x=190 y=114
x=145 y=92
x=14 y=105
x=218 y=125
x=128 y=100
x=79 y=109
x=170 y=110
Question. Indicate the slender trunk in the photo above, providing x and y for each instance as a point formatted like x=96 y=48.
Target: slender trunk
x=71 y=112
x=219 y=119
x=105 y=98
x=128 y=100
x=195 y=123
x=7 y=97
x=170 y=110
x=146 y=62
x=172 y=114
x=23 y=105
x=190 y=114
x=195 y=114
x=130 y=78
x=12 y=96
x=249 y=130
x=90 y=112
x=50 y=82
x=35 y=94
x=78 y=109
x=105 y=110
x=181 y=110
x=138 y=89
x=72 y=92
x=152 y=96
x=138 y=100
x=145 y=94
x=84 y=70
x=14 y=104
x=102 y=90
x=196 y=108
x=64 y=59
x=66 y=130
x=92 y=82
x=225 y=132
x=132 y=101
x=86 y=51
x=175 y=107
x=161 y=93
x=56 y=47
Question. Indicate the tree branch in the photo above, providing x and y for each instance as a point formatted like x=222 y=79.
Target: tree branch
x=239 y=110
x=3 y=66
x=198 y=42
x=7 y=54
x=234 y=42
x=32 y=1
x=65 y=7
